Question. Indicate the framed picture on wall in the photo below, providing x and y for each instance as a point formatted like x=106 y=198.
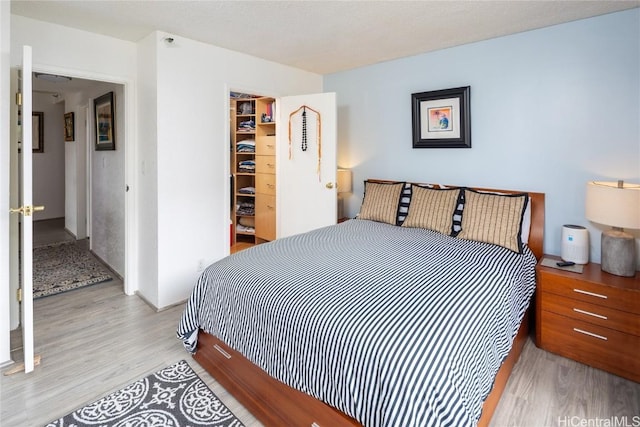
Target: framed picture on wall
x=105 y=122
x=69 y=126
x=37 y=131
x=442 y=118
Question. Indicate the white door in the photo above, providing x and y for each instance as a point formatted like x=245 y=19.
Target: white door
x=306 y=193
x=26 y=210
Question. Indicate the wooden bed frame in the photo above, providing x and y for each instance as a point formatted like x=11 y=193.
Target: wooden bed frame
x=276 y=404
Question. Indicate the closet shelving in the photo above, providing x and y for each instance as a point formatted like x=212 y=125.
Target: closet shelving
x=253 y=143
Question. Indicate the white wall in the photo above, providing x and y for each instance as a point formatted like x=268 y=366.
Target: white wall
x=192 y=150
x=48 y=166
x=5 y=99
x=550 y=110
x=75 y=164
x=108 y=189
x=147 y=168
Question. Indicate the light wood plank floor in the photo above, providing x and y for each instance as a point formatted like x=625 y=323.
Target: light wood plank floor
x=95 y=340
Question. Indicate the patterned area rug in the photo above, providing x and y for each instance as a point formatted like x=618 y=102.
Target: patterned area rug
x=61 y=267
x=174 y=396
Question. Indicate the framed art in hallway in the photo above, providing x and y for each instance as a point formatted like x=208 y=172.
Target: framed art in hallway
x=37 y=129
x=105 y=122
x=69 y=126
x=442 y=118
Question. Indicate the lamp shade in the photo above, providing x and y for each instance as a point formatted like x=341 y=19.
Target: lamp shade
x=344 y=181
x=608 y=204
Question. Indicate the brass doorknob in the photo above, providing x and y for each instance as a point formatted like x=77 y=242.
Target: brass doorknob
x=26 y=210
x=329 y=185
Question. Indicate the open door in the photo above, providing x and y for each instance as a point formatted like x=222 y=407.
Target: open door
x=306 y=163
x=25 y=210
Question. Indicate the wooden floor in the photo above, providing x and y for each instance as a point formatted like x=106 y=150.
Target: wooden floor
x=95 y=340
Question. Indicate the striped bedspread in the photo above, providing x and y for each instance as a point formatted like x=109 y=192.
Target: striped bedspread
x=393 y=326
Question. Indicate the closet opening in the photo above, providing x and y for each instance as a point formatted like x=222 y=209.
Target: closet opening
x=252 y=170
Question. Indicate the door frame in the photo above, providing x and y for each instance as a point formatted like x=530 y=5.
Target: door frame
x=230 y=87
x=130 y=284
x=130 y=217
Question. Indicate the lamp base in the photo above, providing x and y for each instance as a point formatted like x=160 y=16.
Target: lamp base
x=618 y=253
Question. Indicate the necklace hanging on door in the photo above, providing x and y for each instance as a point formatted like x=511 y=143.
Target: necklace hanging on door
x=304 y=143
x=303 y=146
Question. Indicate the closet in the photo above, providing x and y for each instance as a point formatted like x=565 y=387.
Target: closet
x=253 y=169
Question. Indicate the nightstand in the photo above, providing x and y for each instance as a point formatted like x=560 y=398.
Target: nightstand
x=593 y=318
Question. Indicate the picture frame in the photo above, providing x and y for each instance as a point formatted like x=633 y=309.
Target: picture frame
x=442 y=118
x=69 y=126
x=105 y=122
x=37 y=131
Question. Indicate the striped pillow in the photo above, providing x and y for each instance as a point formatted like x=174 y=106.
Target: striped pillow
x=405 y=200
x=432 y=209
x=381 y=202
x=493 y=218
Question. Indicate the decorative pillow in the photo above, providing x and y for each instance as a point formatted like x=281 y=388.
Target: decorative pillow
x=381 y=202
x=494 y=218
x=432 y=209
x=526 y=221
x=405 y=200
x=457 y=214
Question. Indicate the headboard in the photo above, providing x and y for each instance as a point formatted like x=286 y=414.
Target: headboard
x=536 y=233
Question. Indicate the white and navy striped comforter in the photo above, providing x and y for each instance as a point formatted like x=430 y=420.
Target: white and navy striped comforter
x=393 y=326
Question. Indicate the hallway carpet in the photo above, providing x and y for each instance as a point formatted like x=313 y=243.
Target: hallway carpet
x=61 y=267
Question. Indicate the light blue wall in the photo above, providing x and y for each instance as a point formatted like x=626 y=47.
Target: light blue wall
x=550 y=110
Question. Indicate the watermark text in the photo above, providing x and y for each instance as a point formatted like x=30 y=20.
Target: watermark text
x=615 y=421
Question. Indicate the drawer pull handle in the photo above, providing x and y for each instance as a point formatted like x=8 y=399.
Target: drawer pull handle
x=270 y=185
x=580 y=291
x=271 y=165
x=224 y=353
x=591 y=334
x=588 y=313
x=270 y=145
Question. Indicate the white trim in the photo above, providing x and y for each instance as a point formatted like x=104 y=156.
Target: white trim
x=88 y=123
x=228 y=88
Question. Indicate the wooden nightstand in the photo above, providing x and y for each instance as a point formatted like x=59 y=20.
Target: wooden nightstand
x=593 y=318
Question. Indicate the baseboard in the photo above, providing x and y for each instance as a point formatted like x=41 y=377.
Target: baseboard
x=66 y=230
x=159 y=309
x=103 y=262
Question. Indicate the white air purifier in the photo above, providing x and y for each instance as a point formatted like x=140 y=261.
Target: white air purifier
x=575 y=244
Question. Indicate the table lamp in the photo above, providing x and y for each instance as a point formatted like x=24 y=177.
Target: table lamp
x=616 y=204
x=344 y=186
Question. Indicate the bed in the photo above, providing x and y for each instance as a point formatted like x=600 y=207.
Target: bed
x=414 y=313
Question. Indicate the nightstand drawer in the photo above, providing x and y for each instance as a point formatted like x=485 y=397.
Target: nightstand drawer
x=597 y=314
x=577 y=288
x=593 y=345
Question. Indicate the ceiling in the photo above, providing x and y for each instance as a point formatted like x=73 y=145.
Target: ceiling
x=319 y=36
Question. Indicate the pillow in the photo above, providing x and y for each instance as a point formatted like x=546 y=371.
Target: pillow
x=381 y=202
x=405 y=200
x=493 y=218
x=526 y=221
x=432 y=209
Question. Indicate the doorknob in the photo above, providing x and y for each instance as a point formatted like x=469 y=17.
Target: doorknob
x=27 y=210
x=329 y=185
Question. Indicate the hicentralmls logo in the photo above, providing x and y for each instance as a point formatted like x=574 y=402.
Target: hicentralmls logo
x=616 y=421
